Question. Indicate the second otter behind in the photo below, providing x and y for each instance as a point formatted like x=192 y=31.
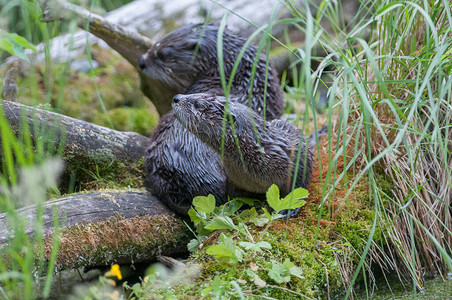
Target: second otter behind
x=256 y=154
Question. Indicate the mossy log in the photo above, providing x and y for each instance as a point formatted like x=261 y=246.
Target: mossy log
x=106 y=227
x=82 y=144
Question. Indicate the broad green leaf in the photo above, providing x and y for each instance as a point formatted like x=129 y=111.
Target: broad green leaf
x=221 y=223
x=22 y=41
x=227 y=249
x=259 y=281
x=298 y=193
x=260 y=221
x=6 y=45
x=193 y=245
x=248 y=213
x=288 y=264
x=19 y=52
x=255 y=246
x=265 y=245
x=292 y=204
x=248 y=201
x=273 y=197
x=15 y=44
x=250 y=273
x=231 y=207
x=276 y=273
x=220 y=251
x=250 y=246
x=297 y=272
x=293 y=270
x=204 y=204
x=291 y=201
x=193 y=216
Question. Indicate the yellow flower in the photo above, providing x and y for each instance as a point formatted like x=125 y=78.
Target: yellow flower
x=115 y=271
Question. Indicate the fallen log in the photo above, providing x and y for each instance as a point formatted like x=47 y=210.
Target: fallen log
x=105 y=227
x=129 y=43
x=146 y=18
x=82 y=144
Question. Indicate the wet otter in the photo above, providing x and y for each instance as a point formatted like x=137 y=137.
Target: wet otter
x=185 y=61
x=256 y=153
x=178 y=165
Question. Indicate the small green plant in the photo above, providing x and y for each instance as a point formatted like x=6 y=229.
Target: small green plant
x=236 y=243
x=208 y=218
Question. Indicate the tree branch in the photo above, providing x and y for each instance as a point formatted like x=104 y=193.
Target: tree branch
x=130 y=44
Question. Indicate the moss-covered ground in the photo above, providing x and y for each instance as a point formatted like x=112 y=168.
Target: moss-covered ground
x=108 y=95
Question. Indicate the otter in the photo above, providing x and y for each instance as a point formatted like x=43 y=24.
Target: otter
x=185 y=61
x=178 y=165
x=256 y=154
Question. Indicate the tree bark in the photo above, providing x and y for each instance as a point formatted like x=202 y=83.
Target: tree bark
x=105 y=227
x=82 y=144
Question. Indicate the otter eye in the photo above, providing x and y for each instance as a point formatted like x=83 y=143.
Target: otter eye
x=164 y=54
x=197 y=105
x=160 y=55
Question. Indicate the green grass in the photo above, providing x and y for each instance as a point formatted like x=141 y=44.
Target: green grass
x=389 y=129
x=394 y=93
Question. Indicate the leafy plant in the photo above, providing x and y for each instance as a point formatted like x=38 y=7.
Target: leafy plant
x=236 y=242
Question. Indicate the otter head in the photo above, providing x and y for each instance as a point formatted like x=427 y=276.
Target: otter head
x=203 y=115
x=179 y=58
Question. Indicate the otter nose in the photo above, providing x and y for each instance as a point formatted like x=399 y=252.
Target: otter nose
x=141 y=63
x=176 y=99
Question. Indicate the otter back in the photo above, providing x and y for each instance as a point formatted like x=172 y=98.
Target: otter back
x=256 y=153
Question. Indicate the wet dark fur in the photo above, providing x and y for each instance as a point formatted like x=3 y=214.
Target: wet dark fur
x=178 y=165
x=266 y=151
x=185 y=62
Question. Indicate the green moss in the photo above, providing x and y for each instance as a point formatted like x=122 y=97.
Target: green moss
x=294 y=240
x=116 y=239
x=111 y=174
x=128 y=119
x=109 y=96
x=325 y=251
x=356 y=226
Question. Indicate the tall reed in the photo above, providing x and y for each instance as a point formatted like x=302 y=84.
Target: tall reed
x=391 y=117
